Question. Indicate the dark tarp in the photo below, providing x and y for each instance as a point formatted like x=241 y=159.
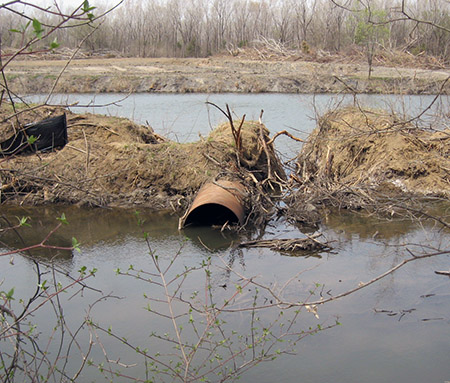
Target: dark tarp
x=50 y=133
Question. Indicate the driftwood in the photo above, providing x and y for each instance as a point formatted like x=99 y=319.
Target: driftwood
x=290 y=244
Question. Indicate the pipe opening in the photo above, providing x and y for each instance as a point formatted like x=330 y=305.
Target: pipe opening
x=211 y=214
x=216 y=204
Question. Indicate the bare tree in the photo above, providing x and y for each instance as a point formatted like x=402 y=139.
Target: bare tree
x=221 y=15
x=204 y=27
x=282 y=19
x=242 y=22
x=304 y=15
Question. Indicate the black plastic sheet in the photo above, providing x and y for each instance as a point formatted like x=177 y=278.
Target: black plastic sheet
x=50 y=134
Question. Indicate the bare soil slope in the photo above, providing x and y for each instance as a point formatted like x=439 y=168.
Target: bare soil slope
x=354 y=158
x=113 y=161
x=354 y=146
x=243 y=74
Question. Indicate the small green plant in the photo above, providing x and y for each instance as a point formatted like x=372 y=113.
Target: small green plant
x=371 y=31
x=201 y=346
x=305 y=47
x=21 y=354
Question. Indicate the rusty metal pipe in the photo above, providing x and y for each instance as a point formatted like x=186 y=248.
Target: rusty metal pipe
x=215 y=204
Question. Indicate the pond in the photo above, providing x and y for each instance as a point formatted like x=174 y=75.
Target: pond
x=183 y=117
x=396 y=329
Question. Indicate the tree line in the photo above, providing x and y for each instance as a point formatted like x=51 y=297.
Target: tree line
x=199 y=28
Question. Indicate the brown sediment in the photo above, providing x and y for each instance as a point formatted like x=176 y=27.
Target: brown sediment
x=219 y=74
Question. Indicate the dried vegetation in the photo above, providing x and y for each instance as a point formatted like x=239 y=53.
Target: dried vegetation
x=355 y=158
x=359 y=158
x=114 y=162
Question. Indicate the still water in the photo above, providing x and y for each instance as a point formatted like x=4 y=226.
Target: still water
x=396 y=330
x=407 y=340
x=183 y=117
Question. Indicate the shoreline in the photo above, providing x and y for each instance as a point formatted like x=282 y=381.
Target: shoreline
x=218 y=75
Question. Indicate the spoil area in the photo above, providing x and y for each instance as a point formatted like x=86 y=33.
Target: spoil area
x=244 y=73
x=354 y=159
x=357 y=158
x=112 y=161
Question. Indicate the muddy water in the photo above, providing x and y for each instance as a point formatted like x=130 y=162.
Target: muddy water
x=407 y=340
x=395 y=330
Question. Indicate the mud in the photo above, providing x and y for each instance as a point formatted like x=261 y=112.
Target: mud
x=241 y=74
x=112 y=161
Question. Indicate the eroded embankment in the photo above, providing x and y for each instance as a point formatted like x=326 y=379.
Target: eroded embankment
x=218 y=75
x=355 y=158
x=114 y=162
x=359 y=158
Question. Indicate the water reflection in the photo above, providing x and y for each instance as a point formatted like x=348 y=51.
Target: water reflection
x=107 y=231
x=367 y=226
x=89 y=226
x=112 y=238
x=213 y=239
x=116 y=227
x=425 y=215
x=37 y=229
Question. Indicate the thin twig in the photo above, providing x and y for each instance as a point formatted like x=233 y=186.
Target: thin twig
x=286 y=133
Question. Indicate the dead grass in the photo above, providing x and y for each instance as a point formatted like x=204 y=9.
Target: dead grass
x=359 y=158
x=355 y=147
x=114 y=162
x=355 y=158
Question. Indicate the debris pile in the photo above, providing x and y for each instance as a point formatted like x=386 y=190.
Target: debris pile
x=357 y=158
x=111 y=161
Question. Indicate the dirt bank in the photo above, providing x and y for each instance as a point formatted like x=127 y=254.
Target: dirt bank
x=219 y=74
x=359 y=158
x=114 y=162
x=355 y=158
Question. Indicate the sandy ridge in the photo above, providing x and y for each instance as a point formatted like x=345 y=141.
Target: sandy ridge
x=218 y=74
